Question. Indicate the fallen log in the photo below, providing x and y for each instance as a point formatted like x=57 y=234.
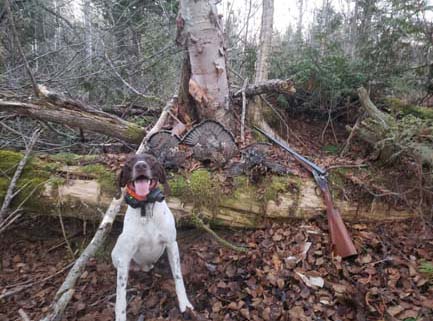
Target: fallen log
x=98 y=122
x=392 y=137
x=85 y=191
x=55 y=107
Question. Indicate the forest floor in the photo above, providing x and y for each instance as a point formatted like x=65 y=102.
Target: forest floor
x=279 y=278
x=389 y=280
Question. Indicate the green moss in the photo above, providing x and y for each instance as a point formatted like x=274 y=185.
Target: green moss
x=199 y=189
x=331 y=149
x=259 y=138
x=65 y=158
x=204 y=191
x=178 y=186
x=57 y=181
x=69 y=159
x=104 y=177
x=275 y=185
x=142 y=121
x=242 y=185
x=271 y=117
x=9 y=160
x=397 y=106
x=135 y=132
x=4 y=183
x=31 y=180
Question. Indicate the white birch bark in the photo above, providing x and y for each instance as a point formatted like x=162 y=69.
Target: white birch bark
x=202 y=34
x=262 y=65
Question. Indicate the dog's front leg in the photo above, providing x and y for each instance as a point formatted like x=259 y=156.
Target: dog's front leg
x=174 y=259
x=121 y=260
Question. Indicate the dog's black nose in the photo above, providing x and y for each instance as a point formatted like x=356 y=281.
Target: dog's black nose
x=141 y=166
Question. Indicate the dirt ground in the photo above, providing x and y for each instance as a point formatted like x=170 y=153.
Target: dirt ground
x=389 y=280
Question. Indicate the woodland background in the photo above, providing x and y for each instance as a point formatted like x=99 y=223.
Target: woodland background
x=125 y=58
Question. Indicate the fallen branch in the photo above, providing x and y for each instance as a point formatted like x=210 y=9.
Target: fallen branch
x=201 y=225
x=392 y=137
x=10 y=192
x=244 y=108
x=349 y=139
x=67 y=289
x=62 y=112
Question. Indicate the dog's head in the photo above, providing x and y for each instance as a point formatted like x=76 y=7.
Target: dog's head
x=143 y=172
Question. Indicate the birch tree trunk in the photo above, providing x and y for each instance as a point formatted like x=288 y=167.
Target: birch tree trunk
x=262 y=65
x=200 y=31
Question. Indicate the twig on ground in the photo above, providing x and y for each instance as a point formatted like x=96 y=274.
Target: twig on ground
x=346 y=166
x=25 y=285
x=23 y=315
x=349 y=139
x=10 y=192
x=329 y=123
x=198 y=222
x=68 y=244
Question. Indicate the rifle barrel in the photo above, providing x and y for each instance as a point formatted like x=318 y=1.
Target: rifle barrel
x=299 y=157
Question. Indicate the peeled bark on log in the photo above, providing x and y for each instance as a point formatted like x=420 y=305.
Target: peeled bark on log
x=392 y=137
x=95 y=121
x=285 y=197
x=241 y=210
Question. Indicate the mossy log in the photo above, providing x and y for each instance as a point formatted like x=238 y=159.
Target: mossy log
x=54 y=107
x=410 y=134
x=84 y=192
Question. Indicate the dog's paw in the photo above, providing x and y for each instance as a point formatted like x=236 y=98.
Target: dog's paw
x=184 y=305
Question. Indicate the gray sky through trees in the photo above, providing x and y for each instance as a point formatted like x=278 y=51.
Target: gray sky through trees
x=286 y=11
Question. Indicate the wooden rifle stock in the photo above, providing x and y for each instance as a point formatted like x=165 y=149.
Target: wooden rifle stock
x=341 y=240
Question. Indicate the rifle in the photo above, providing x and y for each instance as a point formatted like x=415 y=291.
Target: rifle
x=342 y=244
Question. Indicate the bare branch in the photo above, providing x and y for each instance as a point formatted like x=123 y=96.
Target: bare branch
x=10 y=192
x=20 y=49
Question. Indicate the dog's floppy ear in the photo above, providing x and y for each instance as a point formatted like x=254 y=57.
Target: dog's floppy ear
x=125 y=173
x=159 y=172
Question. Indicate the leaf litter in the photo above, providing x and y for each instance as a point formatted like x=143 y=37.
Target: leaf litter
x=287 y=274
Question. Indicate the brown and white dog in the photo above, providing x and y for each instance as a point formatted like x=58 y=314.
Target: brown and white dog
x=148 y=229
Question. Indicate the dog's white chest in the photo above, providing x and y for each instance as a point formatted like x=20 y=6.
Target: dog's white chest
x=147 y=236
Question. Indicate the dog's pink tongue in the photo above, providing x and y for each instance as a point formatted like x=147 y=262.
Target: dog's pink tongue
x=142 y=187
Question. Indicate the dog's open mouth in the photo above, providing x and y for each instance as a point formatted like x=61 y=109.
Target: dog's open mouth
x=142 y=186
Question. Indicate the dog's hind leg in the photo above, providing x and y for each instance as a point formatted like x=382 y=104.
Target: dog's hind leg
x=121 y=257
x=174 y=259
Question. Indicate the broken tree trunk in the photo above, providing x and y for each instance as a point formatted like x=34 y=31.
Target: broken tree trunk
x=392 y=137
x=200 y=31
